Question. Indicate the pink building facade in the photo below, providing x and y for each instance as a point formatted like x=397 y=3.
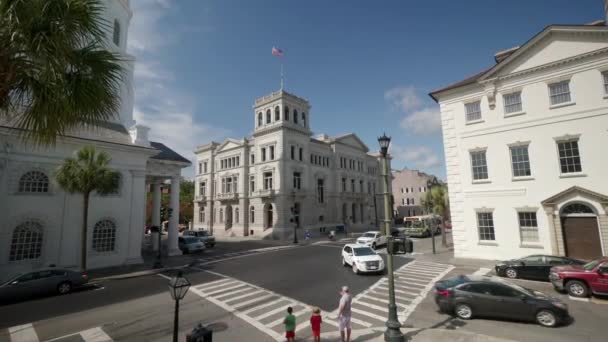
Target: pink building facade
x=409 y=188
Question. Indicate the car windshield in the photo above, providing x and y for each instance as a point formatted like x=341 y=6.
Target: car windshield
x=591 y=265
x=190 y=239
x=413 y=224
x=369 y=235
x=454 y=281
x=12 y=278
x=363 y=251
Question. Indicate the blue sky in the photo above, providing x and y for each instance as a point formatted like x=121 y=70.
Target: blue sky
x=365 y=66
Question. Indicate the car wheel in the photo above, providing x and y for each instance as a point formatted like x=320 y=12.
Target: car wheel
x=577 y=288
x=355 y=269
x=64 y=288
x=546 y=318
x=463 y=311
x=373 y=245
x=511 y=273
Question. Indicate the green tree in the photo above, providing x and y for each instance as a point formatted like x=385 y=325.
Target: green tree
x=436 y=201
x=55 y=74
x=186 y=200
x=86 y=173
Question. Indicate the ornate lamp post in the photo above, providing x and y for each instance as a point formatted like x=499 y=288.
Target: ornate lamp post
x=178 y=287
x=392 y=333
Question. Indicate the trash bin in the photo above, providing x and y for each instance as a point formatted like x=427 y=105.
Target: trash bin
x=200 y=334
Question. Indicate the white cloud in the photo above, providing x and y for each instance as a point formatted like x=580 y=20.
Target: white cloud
x=422 y=122
x=403 y=98
x=419 y=157
x=159 y=102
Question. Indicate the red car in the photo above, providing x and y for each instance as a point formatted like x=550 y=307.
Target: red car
x=582 y=280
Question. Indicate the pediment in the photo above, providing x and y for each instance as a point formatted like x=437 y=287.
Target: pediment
x=229 y=144
x=553 y=44
x=353 y=141
x=575 y=190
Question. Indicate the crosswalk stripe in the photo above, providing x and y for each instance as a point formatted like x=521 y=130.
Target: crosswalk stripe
x=23 y=333
x=398 y=291
x=369 y=314
x=416 y=274
x=231 y=293
x=376 y=299
x=205 y=287
x=415 y=278
x=247 y=302
x=331 y=322
x=265 y=305
x=242 y=296
x=95 y=335
x=223 y=280
x=232 y=286
x=272 y=312
x=426 y=268
x=280 y=320
x=428 y=263
x=423 y=269
x=373 y=306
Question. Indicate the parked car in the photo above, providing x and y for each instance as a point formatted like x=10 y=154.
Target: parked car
x=535 y=267
x=203 y=235
x=478 y=296
x=43 y=281
x=582 y=280
x=362 y=259
x=190 y=244
x=372 y=239
x=422 y=226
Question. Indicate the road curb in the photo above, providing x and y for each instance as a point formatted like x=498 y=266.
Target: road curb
x=138 y=273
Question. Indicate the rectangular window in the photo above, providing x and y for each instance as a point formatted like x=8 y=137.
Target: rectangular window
x=408 y=201
x=267 y=180
x=512 y=102
x=297 y=180
x=407 y=190
x=301 y=154
x=520 y=161
x=252 y=159
x=228 y=185
x=605 y=77
x=293 y=152
x=202 y=188
x=479 y=167
x=485 y=224
x=352 y=185
x=271 y=152
x=201 y=216
x=559 y=92
x=263 y=154
x=320 y=197
x=569 y=157
x=200 y=168
x=343 y=184
x=361 y=186
x=403 y=201
x=205 y=167
x=473 y=111
x=238 y=161
x=528 y=227
x=413 y=202
x=252 y=183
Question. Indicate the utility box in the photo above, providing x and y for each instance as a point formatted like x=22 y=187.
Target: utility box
x=200 y=334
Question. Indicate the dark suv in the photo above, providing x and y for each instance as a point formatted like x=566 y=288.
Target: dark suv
x=203 y=235
x=469 y=296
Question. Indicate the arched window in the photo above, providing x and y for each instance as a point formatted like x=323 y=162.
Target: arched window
x=277 y=113
x=34 y=181
x=268 y=117
x=260 y=119
x=27 y=241
x=252 y=214
x=303 y=119
x=295 y=116
x=286 y=111
x=104 y=236
x=577 y=208
x=236 y=215
x=116 y=37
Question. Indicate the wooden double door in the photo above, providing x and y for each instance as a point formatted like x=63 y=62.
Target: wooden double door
x=582 y=237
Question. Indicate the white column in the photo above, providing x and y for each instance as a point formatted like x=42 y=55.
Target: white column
x=172 y=247
x=137 y=222
x=156 y=188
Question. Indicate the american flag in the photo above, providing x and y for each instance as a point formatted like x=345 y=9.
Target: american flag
x=277 y=52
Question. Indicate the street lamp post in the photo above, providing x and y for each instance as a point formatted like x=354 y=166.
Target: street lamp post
x=178 y=287
x=393 y=332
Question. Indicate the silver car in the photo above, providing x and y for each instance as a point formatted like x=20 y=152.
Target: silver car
x=190 y=244
x=43 y=281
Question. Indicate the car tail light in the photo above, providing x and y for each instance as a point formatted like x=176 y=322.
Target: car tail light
x=444 y=293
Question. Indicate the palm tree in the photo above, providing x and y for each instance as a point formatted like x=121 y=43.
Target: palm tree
x=437 y=202
x=55 y=74
x=84 y=174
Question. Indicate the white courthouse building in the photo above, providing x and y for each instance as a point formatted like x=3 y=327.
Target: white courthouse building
x=525 y=144
x=42 y=224
x=250 y=186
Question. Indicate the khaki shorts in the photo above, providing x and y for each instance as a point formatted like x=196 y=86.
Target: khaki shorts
x=344 y=322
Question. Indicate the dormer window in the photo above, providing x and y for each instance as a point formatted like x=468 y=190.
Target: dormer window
x=116 y=35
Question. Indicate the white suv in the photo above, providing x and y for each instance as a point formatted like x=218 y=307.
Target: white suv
x=372 y=239
x=361 y=259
